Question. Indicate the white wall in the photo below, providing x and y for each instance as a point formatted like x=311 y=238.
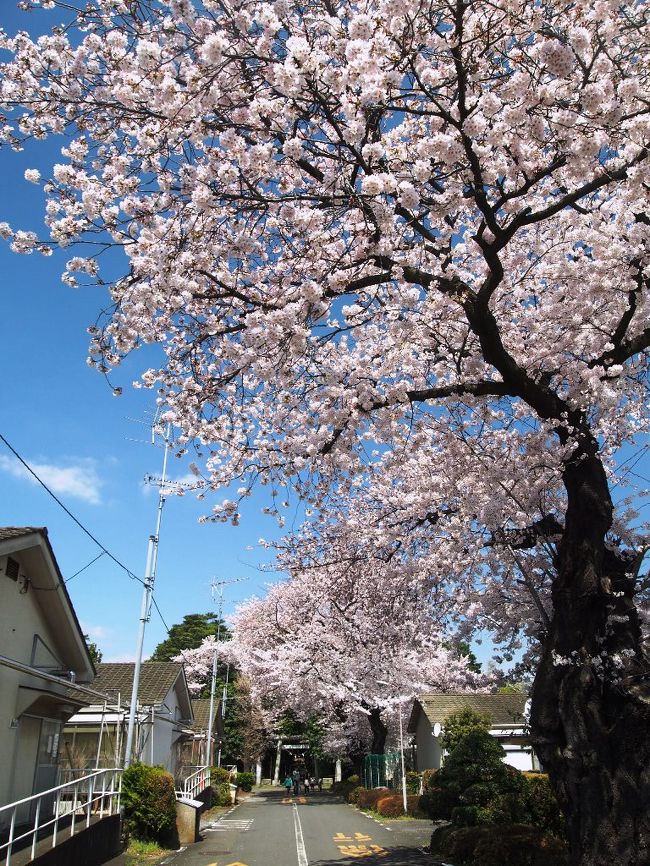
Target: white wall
x=22 y=616
x=428 y=753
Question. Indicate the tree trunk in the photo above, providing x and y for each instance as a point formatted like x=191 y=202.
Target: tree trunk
x=590 y=719
x=379 y=732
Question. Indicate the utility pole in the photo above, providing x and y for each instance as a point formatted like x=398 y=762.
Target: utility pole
x=216 y=585
x=147 y=592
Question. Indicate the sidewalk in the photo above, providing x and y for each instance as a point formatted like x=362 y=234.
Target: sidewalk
x=207 y=817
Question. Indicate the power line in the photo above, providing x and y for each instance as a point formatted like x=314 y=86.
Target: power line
x=69 y=513
x=104 y=550
x=99 y=556
x=155 y=604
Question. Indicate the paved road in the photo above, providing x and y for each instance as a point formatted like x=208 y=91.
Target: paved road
x=271 y=829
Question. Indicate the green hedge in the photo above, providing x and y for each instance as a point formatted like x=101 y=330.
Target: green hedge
x=149 y=801
x=246 y=781
x=505 y=845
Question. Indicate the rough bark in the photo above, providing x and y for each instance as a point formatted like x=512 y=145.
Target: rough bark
x=379 y=732
x=590 y=718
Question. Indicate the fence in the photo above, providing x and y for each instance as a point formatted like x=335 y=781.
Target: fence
x=97 y=794
x=193 y=784
x=379 y=771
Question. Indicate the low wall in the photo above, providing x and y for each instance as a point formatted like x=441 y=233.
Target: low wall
x=90 y=847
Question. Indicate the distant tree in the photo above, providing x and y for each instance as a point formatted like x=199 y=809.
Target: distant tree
x=93 y=650
x=188 y=634
x=472 y=662
x=513 y=689
x=245 y=736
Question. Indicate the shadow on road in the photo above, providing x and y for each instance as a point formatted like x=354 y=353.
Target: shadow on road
x=394 y=857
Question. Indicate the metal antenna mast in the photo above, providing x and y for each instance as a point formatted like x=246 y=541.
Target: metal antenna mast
x=216 y=584
x=147 y=589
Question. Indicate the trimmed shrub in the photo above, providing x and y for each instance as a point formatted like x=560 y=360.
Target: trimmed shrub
x=390 y=806
x=458 y=725
x=369 y=797
x=437 y=804
x=149 y=801
x=540 y=805
x=505 y=845
x=246 y=781
x=219 y=775
x=220 y=783
x=475 y=786
x=413 y=806
x=354 y=779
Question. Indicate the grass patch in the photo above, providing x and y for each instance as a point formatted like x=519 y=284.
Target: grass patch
x=383 y=818
x=139 y=853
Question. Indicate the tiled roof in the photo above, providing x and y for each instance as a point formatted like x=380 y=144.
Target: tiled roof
x=156 y=679
x=504 y=710
x=201 y=710
x=7 y=532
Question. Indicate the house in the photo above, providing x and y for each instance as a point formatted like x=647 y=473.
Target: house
x=200 y=727
x=508 y=713
x=42 y=651
x=96 y=735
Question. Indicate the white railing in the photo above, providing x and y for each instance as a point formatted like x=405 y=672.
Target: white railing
x=196 y=782
x=97 y=794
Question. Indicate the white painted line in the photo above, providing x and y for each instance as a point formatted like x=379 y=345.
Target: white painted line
x=300 y=842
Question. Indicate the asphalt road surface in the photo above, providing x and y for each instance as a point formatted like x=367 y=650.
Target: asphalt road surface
x=272 y=829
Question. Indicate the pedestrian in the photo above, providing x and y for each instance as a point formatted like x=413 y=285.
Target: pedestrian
x=296 y=781
x=306 y=783
x=288 y=784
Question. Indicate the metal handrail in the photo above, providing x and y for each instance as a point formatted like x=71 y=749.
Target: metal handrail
x=103 y=788
x=196 y=782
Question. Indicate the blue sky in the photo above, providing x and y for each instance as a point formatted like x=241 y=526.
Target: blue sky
x=62 y=418
x=64 y=421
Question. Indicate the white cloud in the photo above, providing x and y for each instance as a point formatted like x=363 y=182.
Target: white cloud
x=97 y=632
x=79 y=480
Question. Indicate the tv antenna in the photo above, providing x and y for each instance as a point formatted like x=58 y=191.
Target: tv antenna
x=216 y=588
x=165 y=434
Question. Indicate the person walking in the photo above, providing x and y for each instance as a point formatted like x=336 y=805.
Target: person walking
x=296 y=781
x=288 y=784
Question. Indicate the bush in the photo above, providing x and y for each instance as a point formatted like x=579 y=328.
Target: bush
x=390 y=806
x=219 y=775
x=413 y=806
x=246 y=781
x=353 y=794
x=506 y=845
x=458 y=725
x=475 y=787
x=412 y=782
x=220 y=784
x=149 y=802
x=354 y=779
x=369 y=797
x=428 y=779
x=540 y=806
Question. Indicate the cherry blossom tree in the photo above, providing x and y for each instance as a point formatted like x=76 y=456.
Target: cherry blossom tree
x=340 y=639
x=361 y=229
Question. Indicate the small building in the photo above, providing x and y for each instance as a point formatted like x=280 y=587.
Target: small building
x=194 y=749
x=43 y=651
x=96 y=735
x=508 y=713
